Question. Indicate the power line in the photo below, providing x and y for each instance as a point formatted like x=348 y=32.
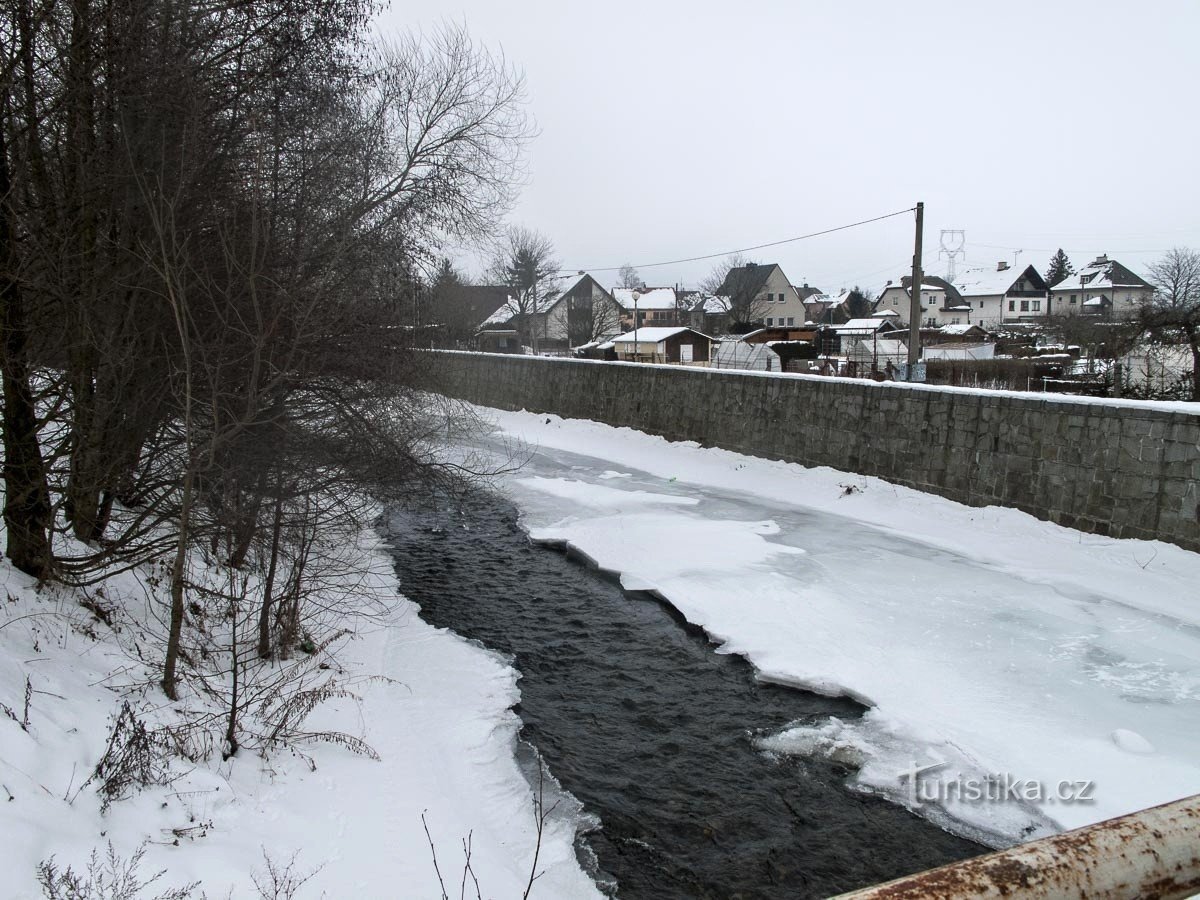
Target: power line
x=803 y=237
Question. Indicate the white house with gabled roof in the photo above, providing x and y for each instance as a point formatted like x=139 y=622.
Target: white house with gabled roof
x=941 y=303
x=1003 y=294
x=1104 y=288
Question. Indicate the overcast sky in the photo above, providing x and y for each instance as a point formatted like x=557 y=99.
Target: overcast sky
x=676 y=129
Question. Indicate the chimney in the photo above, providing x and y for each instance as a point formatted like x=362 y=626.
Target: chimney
x=1002 y=266
x=1101 y=260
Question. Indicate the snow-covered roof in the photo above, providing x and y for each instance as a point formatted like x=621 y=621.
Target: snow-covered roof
x=886 y=314
x=1101 y=275
x=872 y=324
x=987 y=282
x=653 y=298
x=828 y=299
x=961 y=328
x=926 y=285
x=512 y=305
x=502 y=315
x=653 y=334
x=714 y=305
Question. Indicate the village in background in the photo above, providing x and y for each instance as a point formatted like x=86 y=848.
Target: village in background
x=1100 y=329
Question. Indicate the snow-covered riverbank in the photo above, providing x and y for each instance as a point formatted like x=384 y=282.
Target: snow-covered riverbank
x=435 y=707
x=1010 y=650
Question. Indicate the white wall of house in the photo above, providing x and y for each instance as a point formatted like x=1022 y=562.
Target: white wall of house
x=1126 y=301
x=895 y=299
x=987 y=311
x=556 y=320
x=779 y=304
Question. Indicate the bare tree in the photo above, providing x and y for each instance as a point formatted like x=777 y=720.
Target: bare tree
x=524 y=261
x=591 y=318
x=1175 y=304
x=736 y=282
x=628 y=277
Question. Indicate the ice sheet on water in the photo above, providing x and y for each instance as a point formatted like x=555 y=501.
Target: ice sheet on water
x=935 y=780
x=981 y=638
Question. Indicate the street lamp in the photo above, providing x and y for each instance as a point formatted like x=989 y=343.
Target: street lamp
x=636 y=296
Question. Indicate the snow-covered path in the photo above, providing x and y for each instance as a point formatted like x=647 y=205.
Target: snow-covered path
x=1026 y=657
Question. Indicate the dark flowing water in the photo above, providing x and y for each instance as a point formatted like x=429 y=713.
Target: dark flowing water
x=650 y=729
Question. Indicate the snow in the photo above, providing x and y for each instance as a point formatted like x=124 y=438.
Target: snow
x=435 y=707
x=988 y=282
x=652 y=334
x=872 y=324
x=987 y=644
x=655 y=298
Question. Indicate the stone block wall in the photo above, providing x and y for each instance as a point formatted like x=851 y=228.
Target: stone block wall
x=1109 y=467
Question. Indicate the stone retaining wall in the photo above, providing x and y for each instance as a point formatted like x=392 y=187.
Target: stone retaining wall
x=1109 y=467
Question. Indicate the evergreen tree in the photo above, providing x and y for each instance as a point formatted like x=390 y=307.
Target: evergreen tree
x=1060 y=268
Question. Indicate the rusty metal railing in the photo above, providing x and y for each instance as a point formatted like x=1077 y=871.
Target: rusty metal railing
x=1149 y=855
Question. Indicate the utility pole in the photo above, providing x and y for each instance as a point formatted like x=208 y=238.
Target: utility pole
x=914 y=306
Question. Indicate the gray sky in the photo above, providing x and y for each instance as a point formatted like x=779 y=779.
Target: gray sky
x=675 y=129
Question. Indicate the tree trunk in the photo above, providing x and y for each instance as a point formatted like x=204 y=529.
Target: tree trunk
x=1193 y=336
x=264 y=614
x=175 y=629
x=27 y=512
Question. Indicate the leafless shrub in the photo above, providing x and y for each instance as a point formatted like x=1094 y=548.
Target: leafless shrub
x=280 y=881
x=136 y=757
x=110 y=878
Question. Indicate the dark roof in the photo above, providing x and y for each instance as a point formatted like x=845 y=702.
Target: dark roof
x=805 y=291
x=1118 y=274
x=468 y=304
x=952 y=294
x=746 y=281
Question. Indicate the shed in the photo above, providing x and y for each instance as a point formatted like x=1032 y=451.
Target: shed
x=661 y=344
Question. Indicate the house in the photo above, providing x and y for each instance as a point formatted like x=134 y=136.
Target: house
x=760 y=294
x=709 y=314
x=584 y=312
x=1104 y=288
x=659 y=344
x=1003 y=294
x=831 y=309
x=941 y=303
x=655 y=306
x=579 y=312
x=460 y=308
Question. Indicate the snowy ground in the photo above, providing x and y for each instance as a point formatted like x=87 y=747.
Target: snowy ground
x=1056 y=675
x=439 y=718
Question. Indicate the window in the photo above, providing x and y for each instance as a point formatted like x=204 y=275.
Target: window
x=981 y=304
x=1037 y=305
x=1073 y=298
x=770 y=321
x=1024 y=306
x=1012 y=305
x=895 y=301
x=791 y=320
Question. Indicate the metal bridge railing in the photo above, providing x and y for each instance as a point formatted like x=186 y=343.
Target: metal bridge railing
x=1149 y=855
